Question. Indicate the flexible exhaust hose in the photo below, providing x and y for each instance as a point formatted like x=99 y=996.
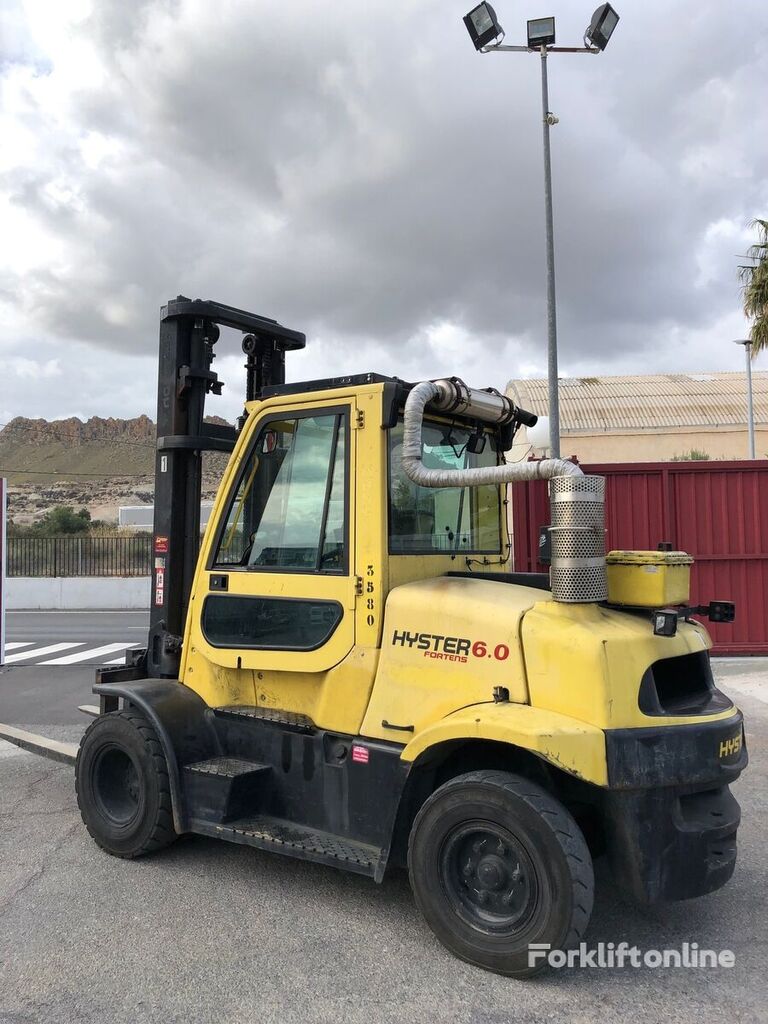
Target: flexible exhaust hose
x=415 y=470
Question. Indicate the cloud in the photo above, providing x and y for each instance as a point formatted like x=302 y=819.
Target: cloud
x=31 y=369
x=359 y=172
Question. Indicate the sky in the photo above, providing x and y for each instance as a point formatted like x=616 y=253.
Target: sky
x=358 y=172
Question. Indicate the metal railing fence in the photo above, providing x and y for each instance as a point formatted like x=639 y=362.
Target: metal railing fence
x=80 y=556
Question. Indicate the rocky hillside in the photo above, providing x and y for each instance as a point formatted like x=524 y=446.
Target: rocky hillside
x=100 y=465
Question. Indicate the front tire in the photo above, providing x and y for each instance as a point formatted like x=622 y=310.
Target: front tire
x=496 y=863
x=123 y=792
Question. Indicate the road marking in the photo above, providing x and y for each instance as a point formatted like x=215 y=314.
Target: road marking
x=94 y=652
x=121 y=661
x=38 y=652
x=15 y=646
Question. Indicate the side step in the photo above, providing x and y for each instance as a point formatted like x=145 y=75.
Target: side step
x=226 y=767
x=297 y=841
x=66 y=753
x=223 y=788
x=290 y=720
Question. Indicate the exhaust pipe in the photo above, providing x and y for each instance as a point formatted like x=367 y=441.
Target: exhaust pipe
x=488 y=406
x=578 y=502
x=577 y=570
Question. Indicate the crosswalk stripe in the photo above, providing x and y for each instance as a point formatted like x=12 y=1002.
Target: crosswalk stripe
x=40 y=651
x=16 y=645
x=87 y=655
x=121 y=660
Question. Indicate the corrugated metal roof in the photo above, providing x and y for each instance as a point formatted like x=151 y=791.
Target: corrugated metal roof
x=656 y=401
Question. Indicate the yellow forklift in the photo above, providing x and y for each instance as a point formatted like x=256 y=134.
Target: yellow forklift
x=346 y=670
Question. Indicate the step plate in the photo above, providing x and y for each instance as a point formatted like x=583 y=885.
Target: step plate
x=226 y=767
x=292 y=719
x=296 y=840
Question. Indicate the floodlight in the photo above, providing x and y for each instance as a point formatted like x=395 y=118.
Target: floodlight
x=482 y=25
x=600 y=30
x=488 y=37
x=541 y=32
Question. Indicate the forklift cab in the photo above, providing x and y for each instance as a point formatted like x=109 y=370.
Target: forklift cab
x=315 y=522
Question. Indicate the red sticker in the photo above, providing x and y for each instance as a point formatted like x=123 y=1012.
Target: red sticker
x=360 y=754
x=161 y=545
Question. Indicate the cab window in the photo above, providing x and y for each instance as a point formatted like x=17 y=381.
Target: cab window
x=289 y=508
x=430 y=520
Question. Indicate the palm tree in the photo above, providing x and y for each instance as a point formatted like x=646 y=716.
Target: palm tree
x=754 y=278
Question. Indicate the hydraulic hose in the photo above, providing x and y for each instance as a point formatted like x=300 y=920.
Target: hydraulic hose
x=416 y=471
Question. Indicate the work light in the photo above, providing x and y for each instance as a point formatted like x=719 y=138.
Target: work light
x=541 y=32
x=482 y=25
x=600 y=30
x=665 y=622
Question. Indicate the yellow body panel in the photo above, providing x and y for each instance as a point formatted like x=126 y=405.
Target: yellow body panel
x=586 y=661
x=447 y=643
x=577 y=748
x=334 y=700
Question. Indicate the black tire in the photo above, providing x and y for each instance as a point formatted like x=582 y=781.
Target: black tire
x=496 y=864
x=123 y=792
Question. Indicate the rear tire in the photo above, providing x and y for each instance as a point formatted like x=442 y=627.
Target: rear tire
x=123 y=792
x=496 y=863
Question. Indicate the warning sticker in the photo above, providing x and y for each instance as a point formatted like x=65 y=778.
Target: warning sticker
x=159 y=583
x=161 y=545
x=360 y=754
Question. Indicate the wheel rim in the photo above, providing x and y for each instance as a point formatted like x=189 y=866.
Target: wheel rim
x=488 y=877
x=116 y=787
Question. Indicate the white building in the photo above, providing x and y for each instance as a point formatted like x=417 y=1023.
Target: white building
x=141 y=517
x=653 y=417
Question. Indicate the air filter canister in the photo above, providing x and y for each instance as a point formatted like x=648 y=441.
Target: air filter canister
x=578 y=538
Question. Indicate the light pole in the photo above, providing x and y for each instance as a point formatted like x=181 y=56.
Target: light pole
x=483 y=27
x=747 y=343
x=548 y=119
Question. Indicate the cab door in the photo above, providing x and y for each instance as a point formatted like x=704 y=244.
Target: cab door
x=280 y=589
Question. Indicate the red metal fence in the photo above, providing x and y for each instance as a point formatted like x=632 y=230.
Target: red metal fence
x=716 y=511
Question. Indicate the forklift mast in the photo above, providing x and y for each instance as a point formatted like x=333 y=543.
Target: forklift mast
x=189 y=330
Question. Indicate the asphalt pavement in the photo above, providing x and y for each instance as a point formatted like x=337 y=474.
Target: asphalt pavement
x=211 y=932
x=36 y=686
x=92 y=626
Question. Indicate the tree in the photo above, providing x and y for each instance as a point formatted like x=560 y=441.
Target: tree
x=754 y=277
x=62 y=519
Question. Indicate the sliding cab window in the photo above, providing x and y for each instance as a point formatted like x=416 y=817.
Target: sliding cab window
x=288 y=510
x=443 y=520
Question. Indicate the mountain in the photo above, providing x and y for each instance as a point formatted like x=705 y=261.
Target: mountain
x=71 y=449
x=98 y=464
